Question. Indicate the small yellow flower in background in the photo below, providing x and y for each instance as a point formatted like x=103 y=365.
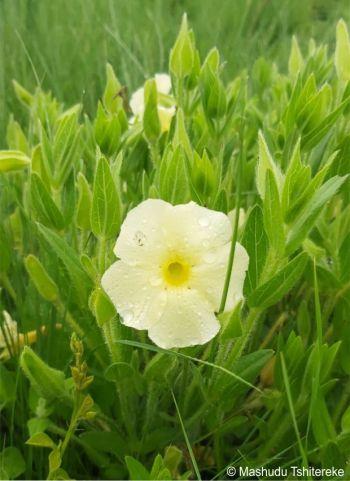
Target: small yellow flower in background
x=171 y=273
x=11 y=341
x=166 y=109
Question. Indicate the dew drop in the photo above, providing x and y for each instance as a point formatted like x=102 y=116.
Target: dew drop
x=209 y=257
x=140 y=238
x=128 y=316
x=155 y=281
x=203 y=221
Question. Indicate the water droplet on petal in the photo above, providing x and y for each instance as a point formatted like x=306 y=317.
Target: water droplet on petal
x=209 y=257
x=203 y=221
x=128 y=316
x=155 y=281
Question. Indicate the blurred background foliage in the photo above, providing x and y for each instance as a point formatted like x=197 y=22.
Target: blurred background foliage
x=64 y=45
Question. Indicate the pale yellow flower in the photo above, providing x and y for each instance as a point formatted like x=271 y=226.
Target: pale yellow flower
x=165 y=111
x=171 y=273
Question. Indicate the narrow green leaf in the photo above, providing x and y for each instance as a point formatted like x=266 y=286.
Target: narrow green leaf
x=11 y=160
x=273 y=218
x=273 y=290
x=342 y=52
x=59 y=247
x=136 y=470
x=106 y=209
x=43 y=205
x=256 y=243
x=188 y=444
x=265 y=163
x=307 y=218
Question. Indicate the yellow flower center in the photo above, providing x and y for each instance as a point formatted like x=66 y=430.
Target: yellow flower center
x=176 y=272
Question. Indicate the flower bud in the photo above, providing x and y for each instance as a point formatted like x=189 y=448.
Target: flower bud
x=48 y=382
x=11 y=160
x=212 y=90
x=102 y=307
x=182 y=54
x=41 y=279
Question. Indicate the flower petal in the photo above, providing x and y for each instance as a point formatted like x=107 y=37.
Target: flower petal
x=209 y=277
x=163 y=83
x=187 y=320
x=137 y=102
x=201 y=228
x=165 y=115
x=138 y=302
x=143 y=236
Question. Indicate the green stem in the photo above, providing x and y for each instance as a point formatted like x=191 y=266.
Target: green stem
x=113 y=347
x=235 y=232
x=72 y=425
x=74 y=325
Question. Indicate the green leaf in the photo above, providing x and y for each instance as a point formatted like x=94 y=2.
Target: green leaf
x=231 y=323
x=46 y=287
x=273 y=290
x=173 y=179
x=11 y=160
x=111 y=98
x=255 y=241
x=55 y=461
x=345 y=421
x=273 y=218
x=119 y=371
x=159 y=367
x=48 y=382
x=295 y=187
x=322 y=425
x=83 y=210
x=106 y=209
x=80 y=280
x=15 y=137
x=265 y=163
x=41 y=440
x=102 y=307
x=66 y=147
x=188 y=444
x=107 y=131
x=12 y=463
x=151 y=122
x=43 y=205
x=136 y=470
x=181 y=136
x=181 y=59
x=249 y=367
x=22 y=94
x=295 y=62
x=342 y=52
x=306 y=220
x=213 y=93
x=310 y=140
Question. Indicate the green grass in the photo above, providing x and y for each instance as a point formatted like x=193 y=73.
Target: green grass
x=65 y=44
